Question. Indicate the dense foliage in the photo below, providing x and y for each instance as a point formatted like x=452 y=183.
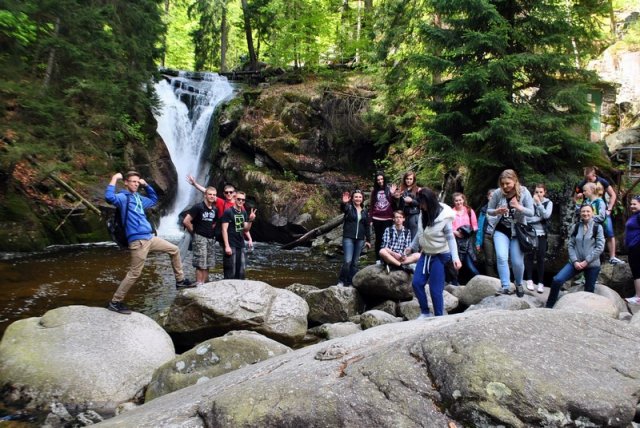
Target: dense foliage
x=76 y=77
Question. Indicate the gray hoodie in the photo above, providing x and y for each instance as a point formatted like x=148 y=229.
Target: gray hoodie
x=499 y=199
x=583 y=246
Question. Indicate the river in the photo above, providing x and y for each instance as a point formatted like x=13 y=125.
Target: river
x=89 y=275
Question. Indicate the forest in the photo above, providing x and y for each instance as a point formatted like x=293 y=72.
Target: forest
x=467 y=87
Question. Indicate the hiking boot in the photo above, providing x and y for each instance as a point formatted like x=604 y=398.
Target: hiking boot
x=616 y=261
x=519 y=290
x=118 y=307
x=185 y=283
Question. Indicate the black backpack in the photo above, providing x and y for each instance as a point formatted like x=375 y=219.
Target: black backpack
x=117 y=228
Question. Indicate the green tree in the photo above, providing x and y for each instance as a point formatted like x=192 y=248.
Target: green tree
x=493 y=84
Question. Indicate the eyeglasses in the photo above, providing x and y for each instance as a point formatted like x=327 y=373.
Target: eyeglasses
x=229 y=191
x=240 y=199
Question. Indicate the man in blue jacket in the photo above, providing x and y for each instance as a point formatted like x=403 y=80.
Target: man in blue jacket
x=140 y=234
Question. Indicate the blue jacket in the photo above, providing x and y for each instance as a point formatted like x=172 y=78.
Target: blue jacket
x=137 y=225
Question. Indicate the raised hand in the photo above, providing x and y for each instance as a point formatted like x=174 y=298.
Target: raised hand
x=252 y=215
x=346 y=197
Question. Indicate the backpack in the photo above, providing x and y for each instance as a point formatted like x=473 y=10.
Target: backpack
x=596 y=226
x=117 y=228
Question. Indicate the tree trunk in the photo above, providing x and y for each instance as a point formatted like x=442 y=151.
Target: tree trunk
x=327 y=227
x=52 y=57
x=164 y=36
x=253 y=60
x=224 y=40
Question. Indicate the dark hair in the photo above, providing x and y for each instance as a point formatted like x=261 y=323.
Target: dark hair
x=376 y=188
x=637 y=198
x=429 y=206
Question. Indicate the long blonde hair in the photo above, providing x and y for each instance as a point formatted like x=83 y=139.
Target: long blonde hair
x=510 y=174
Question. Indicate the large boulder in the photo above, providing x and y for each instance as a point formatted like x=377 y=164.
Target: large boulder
x=582 y=301
x=482 y=369
x=375 y=317
x=509 y=303
x=82 y=358
x=333 y=304
x=374 y=281
x=216 y=308
x=212 y=358
x=478 y=287
x=617 y=277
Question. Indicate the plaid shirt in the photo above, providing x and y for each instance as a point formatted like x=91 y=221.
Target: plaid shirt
x=396 y=240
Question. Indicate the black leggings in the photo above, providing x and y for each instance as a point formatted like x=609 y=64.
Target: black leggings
x=378 y=228
x=634 y=261
x=538 y=257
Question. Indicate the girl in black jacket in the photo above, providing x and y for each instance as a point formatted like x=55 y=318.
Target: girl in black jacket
x=355 y=234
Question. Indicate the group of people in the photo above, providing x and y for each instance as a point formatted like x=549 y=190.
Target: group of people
x=415 y=232
x=214 y=219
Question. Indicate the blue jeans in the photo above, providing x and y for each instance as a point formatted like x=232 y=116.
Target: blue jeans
x=351 y=249
x=568 y=272
x=508 y=247
x=430 y=268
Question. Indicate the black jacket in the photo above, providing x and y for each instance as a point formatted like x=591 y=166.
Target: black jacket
x=351 y=228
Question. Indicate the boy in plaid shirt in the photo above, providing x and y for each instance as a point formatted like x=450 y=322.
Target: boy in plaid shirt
x=395 y=240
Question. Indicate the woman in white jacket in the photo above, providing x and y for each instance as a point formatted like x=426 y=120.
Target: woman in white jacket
x=510 y=204
x=437 y=247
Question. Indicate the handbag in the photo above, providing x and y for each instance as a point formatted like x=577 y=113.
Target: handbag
x=527 y=237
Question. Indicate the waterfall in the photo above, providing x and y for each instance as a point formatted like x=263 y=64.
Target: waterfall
x=188 y=103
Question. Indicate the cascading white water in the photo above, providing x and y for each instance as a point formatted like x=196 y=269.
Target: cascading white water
x=184 y=131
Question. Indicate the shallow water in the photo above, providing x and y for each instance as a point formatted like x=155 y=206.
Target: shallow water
x=30 y=285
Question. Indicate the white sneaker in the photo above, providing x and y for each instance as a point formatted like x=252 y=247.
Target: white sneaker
x=530 y=285
x=541 y=288
x=635 y=300
x=616 y=261
x=340 y=284
x=425 y=316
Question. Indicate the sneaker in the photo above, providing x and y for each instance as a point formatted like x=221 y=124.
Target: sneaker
x=199 y=284
x=340 y=284
x=616 y=261
x=541 y=288
x=530 y=285
x=519 y=290
x=185 y=283
x=635 y=300
x=378 y=262
x=118 y=307
x=504 y=291
x=425 y=316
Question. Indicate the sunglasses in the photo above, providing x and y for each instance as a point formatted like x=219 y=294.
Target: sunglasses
x=229 y=191
x=240 y=199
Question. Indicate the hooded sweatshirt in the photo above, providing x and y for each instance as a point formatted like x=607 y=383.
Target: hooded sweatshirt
x=137 y=225
x=438 y=238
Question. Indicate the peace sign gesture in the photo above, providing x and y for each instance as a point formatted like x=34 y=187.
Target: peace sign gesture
x=252 y=215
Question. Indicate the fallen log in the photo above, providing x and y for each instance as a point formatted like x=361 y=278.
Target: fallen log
x=76 y=194
x=328 y=226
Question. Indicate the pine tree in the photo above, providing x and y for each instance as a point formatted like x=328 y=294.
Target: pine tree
x=496 y=84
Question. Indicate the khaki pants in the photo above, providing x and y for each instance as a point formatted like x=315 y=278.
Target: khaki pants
x=139 y=251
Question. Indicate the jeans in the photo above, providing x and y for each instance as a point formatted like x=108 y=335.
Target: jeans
x=508 y=248
x=568 y=272
x=351 y=249
x=234 y=265
x=430 y=268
